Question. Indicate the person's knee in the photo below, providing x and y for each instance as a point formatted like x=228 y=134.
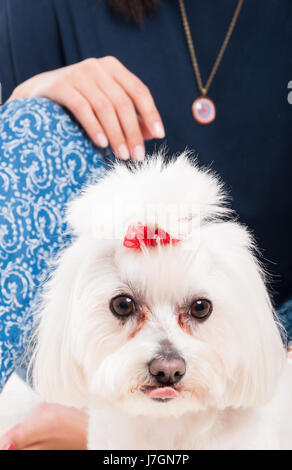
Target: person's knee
x=32 y=120
x=26 y=105
x=38 y=112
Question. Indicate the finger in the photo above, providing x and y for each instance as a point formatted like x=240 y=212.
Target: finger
x=114 y=108
x=56 y=427
x=36 y=426
x=38 y=446
x=107 y=116
x=17 y=437
x=140 y=94
x=144 y=129
x=53 y=444
x=6 y=441
x=82 y=111
x=45 y=446
x=128 y=119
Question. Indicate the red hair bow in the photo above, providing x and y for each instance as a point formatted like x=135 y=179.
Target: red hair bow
x=139 y=234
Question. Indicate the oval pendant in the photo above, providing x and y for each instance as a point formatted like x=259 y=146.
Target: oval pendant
x=204 y=110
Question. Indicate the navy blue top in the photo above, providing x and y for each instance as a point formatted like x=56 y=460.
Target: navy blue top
x=249 y=143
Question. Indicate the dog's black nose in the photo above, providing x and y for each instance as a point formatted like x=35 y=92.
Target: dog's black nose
x=167 y=371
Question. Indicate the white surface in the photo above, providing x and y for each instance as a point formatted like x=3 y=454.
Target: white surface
x=15 y=401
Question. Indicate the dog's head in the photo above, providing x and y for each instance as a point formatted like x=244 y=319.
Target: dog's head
x=161 y=327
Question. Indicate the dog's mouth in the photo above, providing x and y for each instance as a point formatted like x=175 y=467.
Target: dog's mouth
x=161 y=393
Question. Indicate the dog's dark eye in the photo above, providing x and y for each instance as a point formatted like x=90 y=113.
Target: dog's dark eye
x=201 y=309
x=122 y=306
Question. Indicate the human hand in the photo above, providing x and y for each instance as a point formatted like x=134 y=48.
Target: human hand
x=105 y=97
x=48 y=427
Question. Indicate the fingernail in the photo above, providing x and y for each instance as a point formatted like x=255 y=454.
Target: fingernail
x=123 y=152
x=158 y=130
x=8 y=447
x=101 y=140
x=139 y=153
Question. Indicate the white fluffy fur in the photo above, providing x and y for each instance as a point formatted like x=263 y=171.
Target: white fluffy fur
x=235 y=393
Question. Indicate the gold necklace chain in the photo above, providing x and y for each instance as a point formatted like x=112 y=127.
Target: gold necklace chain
x=204 y=89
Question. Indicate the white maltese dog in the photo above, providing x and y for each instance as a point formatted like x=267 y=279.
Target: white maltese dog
x=157 y=318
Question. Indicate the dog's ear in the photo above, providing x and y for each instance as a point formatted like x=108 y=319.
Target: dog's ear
x=57 y=376
x=258 y=348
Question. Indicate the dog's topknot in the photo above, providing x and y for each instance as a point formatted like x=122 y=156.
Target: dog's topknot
x=154 y=182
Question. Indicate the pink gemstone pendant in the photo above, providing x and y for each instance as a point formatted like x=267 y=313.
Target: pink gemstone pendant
x=204 y=110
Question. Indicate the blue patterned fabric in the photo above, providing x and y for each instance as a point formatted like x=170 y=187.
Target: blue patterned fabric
x=285 y=316
x=45 y=159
